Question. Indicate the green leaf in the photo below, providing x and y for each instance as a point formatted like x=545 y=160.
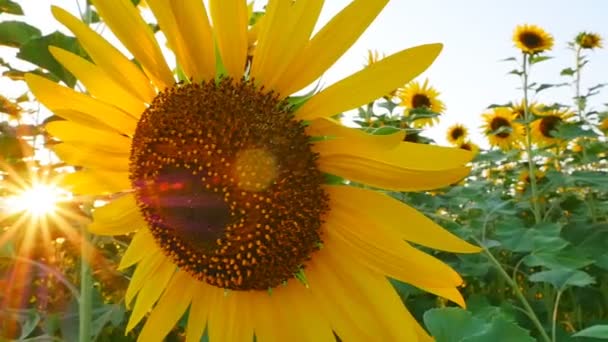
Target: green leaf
x=442 y=324
x=562 y=278
x=537 y=59
x=17 y=33
x=567 y=72
x=385 y=130
x=14 y=148
x=10 y=7
x=37 y=52
x=596 y=331
x=555 y=260
x=502 y=330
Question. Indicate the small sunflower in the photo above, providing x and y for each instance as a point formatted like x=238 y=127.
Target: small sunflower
x=523 y=180
x=543 y=129
x=519 y=110
x=531 y=39
x=414 y=96
x=469 y=146
x=589 y=40
x=500 y=128
x=223 y=186
x=604 y=125
x=456 y=134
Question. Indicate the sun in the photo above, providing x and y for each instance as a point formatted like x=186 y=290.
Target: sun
x=38 y=200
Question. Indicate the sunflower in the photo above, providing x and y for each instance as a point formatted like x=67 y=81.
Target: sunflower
x=456 y=134
x=500 y=128
x=221 y=180
x=589 y=40
x=469 y=146
x=523 y=180
x=531 y=39
x=543 y=129
x=414 y=96
x=518 y=109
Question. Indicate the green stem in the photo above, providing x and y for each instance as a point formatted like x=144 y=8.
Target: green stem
x=554 y=318
x=517 y=293
x=86 y=290
x=531 y=166
x=579 y=103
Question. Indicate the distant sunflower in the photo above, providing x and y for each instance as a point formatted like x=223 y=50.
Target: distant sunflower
x=604 y=125
x=523 y=180
x=589 y=40
x=469 y=146
x=519 y=110
x=500 y=129
x=543 y=129
x=415 y=96
x=456 y=134
x=224 y=186
x=532 y=39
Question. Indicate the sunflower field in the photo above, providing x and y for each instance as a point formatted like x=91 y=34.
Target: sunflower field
x=175 y=171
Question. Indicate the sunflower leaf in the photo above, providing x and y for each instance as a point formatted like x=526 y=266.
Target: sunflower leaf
x=596 y=331
x=567 y=72
x=17 y=33
x=562 y=278
x=537 y=59
x=10 y=7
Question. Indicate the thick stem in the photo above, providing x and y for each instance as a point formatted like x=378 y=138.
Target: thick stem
x=86 y=290
x=517 y=293
x=528 y=142
x=577 y=98
x=554 y=318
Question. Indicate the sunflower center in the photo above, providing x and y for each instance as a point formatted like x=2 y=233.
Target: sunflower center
x=531 y=40
x=548 y=124
x=498 y=123
x=420 y=101
x=229 y=186
x=457 y=133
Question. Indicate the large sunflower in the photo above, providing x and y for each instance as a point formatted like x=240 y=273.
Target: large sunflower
x=415 y=96
x=500 y=128
x=531 y=39
x=544 y=128
x=221 y=179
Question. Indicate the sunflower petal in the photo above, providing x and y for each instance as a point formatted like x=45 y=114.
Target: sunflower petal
x=107 y=57
x=230 y=25
x=150 y=292
x=285 y=33
x=329 y=44
x=450 y=293
x=91 y=158
x=388 y=176
x=124 y=20
x=141 y=245
x=370 y=83
x=229 y=317
x=75 y=133
x=393 y=214
x=184 y=22
x=169 y=309
x=349 y=136
x=56 y=97
x=98 y=83
x=147 y=266
x=199 y=310
x=120 y=216
x=95 y=182
x=383 y=251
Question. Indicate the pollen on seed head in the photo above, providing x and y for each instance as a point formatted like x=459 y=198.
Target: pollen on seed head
x=255 y=169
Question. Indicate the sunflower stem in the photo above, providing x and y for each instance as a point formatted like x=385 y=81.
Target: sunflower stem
x=554 y=317
x=528 y=309
x=531 y=166
x=86 y=290
x=579 y=103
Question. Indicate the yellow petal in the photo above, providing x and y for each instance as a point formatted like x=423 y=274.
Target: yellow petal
x=107 y=57
x=170 y=308
x=285 y=32
x=124 y=20
x=56 y=97
x=78 y=134
x=185 y=22
x=98 y=83
x=120 y=216
x=140 y=246
x=329 y=44
x=450 y=293
x=393 y=214
x=388 y=176
x=229 y=318
x=96 y=182
x=383 y=251
x=230 y=25
x=199 y=310
x=150 y=292
x=91 y=158
x=370 y=83
x=349 y=136
x=148 y=265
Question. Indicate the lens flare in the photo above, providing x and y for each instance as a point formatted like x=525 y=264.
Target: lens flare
x=38 y=200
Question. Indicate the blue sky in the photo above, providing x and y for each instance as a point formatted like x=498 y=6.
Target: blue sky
x=476 y=34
